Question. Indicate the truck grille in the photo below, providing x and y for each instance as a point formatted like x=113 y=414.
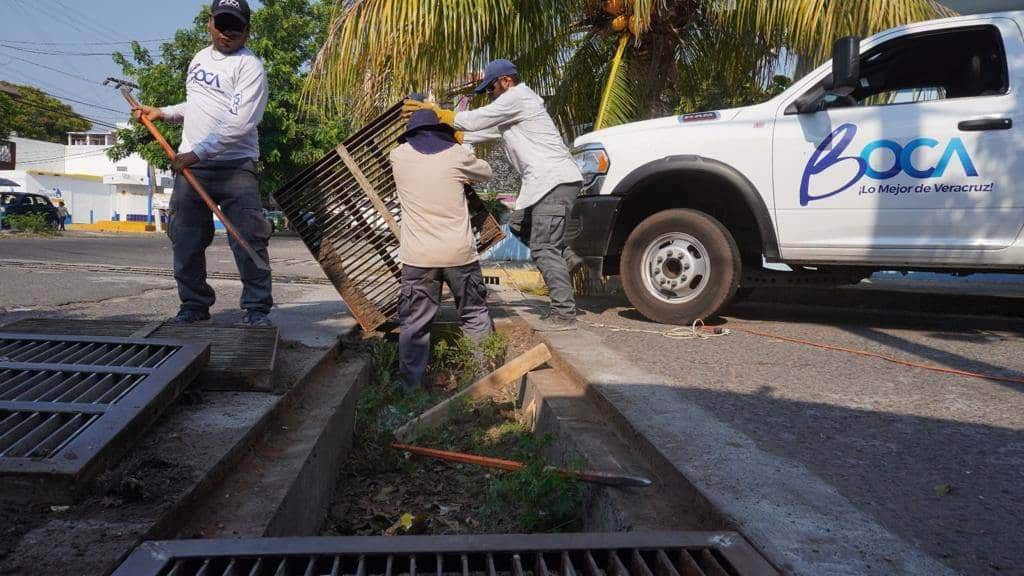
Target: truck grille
x=70 y=404
x=620 y=554
x=346 y=210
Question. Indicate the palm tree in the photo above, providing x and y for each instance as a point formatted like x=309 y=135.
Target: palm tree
x=598 y=62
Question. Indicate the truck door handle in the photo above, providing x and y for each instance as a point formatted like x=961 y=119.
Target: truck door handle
x=985 y=124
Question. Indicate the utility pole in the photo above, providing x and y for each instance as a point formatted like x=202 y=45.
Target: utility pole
x=151 y=170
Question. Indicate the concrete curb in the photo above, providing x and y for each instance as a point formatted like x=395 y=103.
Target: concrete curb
x=797 y=520
x=552 y=404
x=283 y=484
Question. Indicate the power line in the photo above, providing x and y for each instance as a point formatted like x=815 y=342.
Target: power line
x=65 y=157
x=57 y=92
x=55 y=53
x=52 y=69
x=111 y=43
x=88 y=19
x=66 y=113
x=44 y=32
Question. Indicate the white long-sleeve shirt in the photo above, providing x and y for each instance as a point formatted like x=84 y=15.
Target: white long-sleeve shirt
x=535 y=147
x=225 y=98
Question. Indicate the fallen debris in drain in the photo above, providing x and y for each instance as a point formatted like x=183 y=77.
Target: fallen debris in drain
x=594 y=476
x=382 y=491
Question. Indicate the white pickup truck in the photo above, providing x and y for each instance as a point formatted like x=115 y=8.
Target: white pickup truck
x=900 y=154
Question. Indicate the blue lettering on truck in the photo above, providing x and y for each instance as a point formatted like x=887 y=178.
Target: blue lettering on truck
x=829 y=153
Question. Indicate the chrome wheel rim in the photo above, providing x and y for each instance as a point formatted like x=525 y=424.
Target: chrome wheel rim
x=676 y=268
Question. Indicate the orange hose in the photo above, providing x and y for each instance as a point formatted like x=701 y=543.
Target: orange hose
x=893 y=359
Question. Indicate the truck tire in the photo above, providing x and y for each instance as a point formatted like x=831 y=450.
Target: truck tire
x=679 y=266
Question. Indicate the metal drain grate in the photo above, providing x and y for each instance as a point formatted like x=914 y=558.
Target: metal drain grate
x=241 y=358
x=619 y=554
x=344 y=207
x=69 y=404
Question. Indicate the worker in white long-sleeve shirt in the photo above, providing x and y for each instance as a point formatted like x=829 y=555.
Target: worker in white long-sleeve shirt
x=226 y=92
x=551 y=179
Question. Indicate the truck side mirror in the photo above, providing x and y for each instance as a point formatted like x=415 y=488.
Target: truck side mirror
x=845 y=66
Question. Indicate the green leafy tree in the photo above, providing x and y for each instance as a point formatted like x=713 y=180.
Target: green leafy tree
x=37 y=115
x=285 y=35
x=6 y=115
x=599 y=62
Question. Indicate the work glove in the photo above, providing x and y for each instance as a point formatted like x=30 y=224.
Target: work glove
x=445 y=116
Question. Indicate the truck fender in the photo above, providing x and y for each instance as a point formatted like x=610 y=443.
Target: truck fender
x=693 y=164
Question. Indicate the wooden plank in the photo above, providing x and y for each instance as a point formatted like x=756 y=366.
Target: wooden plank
x=371 y=192
x=487 y=387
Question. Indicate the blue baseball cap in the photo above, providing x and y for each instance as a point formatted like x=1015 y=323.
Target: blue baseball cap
x=496 y=70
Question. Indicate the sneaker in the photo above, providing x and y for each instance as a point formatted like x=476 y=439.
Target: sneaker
x=556 y=323
x=256 y=318
x=189 y=317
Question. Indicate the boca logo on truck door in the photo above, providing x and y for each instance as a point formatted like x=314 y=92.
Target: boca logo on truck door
x=891 y=159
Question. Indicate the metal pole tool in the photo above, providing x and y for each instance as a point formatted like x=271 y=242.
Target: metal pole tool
x=126 y=91
x=594 y=476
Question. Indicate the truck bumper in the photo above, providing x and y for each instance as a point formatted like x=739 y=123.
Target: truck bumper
x=591 y=224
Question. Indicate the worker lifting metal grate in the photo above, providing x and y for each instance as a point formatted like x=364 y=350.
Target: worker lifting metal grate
x=69 y=405
x=618 y=554
x=346 y=210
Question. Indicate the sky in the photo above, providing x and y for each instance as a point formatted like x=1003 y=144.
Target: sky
x=70 y=32
x=77 y=37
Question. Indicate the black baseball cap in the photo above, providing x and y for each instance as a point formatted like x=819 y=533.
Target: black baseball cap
x=237 y=8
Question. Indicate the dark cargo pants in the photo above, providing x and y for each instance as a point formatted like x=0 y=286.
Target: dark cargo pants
x=421 y=299
x=542 y=227
x=234 y=185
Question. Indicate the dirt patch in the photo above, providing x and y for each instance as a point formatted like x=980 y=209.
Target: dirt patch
x=385 y=491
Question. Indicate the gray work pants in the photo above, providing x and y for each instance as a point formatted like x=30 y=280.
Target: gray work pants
x=421 y=299
x=542 y=228
x=234 y=185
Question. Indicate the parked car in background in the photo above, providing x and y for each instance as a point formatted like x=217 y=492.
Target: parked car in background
x=20 y=203
x=277 y=220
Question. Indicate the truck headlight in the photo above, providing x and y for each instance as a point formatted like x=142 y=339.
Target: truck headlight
x=593 y=162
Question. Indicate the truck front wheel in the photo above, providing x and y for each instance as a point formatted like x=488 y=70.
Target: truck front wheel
x=679 y=266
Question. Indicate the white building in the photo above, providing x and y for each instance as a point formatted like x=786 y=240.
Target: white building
x=92 y=186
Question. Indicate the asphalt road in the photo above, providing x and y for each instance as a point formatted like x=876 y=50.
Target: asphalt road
x=83 y=276
x=288 y=255
x=936 y=458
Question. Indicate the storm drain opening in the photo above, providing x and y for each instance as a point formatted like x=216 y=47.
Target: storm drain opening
x=345 y=208
x=70 y=404
x=618 y=554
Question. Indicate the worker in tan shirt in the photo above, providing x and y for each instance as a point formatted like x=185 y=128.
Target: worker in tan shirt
x=436 y=244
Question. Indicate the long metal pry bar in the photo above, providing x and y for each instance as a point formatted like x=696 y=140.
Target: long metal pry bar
x=126 y=91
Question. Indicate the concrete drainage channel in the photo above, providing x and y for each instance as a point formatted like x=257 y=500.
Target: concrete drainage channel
x=228 y=462
x=283 y=483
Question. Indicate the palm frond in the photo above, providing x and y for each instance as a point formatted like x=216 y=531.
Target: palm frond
x=621 y=101
x=376 y=51
x=808 y=27
x=575 y=98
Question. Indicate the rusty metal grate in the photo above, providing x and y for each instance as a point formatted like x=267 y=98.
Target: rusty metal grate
x=344 y=207
x=70 y=404
x=619 y=554
x=241 y=358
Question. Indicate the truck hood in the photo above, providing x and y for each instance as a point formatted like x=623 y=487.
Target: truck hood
x=694 y=119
